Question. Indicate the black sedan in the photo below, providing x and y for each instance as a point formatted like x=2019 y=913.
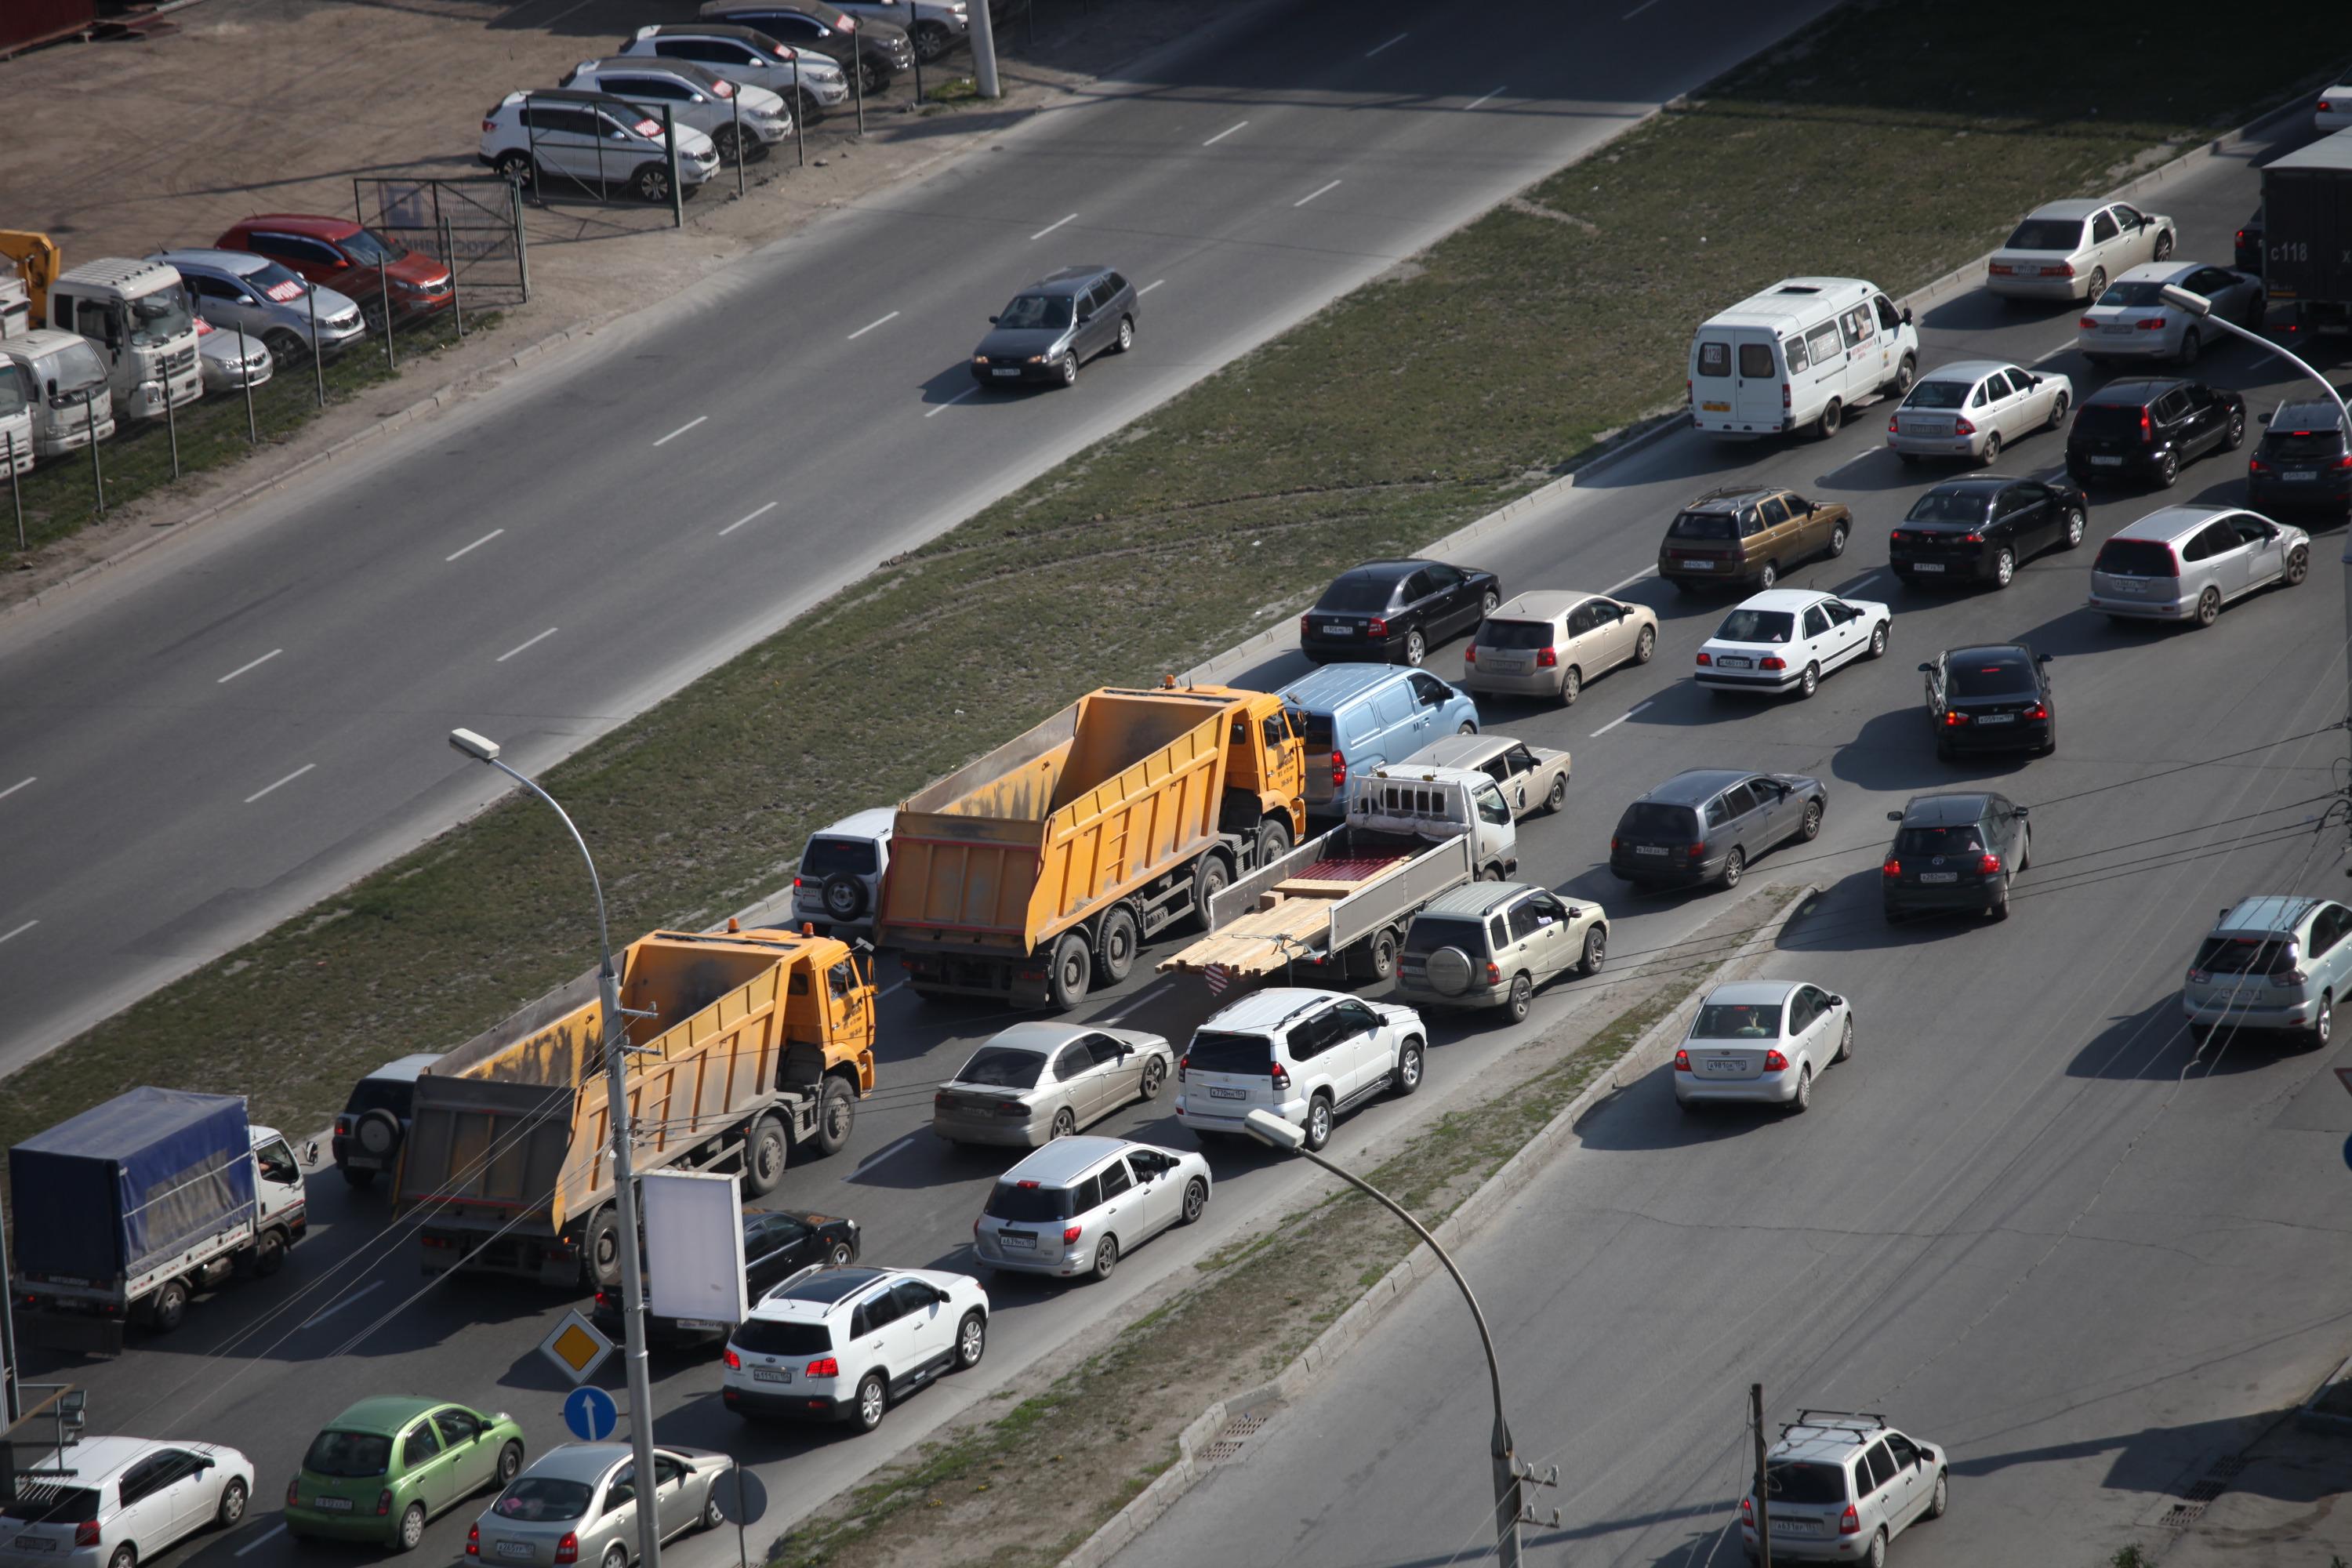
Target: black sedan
x=1955 y=852
x=777 y=1245
x=1991 y=699
x=2147 y=428
x=1983 y=527
x=1396 y=610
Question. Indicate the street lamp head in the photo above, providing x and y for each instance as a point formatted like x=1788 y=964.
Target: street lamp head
x=1274 y=1132
x=2195 y=304
x=479 y=747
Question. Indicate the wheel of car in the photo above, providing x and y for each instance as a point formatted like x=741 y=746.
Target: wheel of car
x=1904 y=373
x=1845 y=1043
x=843 y=896
x=2235 y=435
x=412 y=1527
x=1571 y=686
x=2026 y=853
x=1489 y=602
x=2298 y=565
x=1522 y=996
x=1802 y=1100
x=268 y=1253
x=971 y=1341
x=2323 y=1022
x=875 y=78
x=1066 y=1122
x=805 y=109
x=357 y=1181
x=1105 y=1258
x=650 y=183
x=1832 y=415
x=931 y=39
x=168 y=1307
x=284 y=345
x=1319 y=1124
x=1069 y=368
x=1381 y=956
x=1068 y=974
x=2168 y=470
x=1114 y=944
x=1417 y=646
x=2057 y=413
x=2075 y=523
x=836 y=1114
x=1768 y=575
x=2004 y=567
x=1876 y=1557
x=841 y=1255
x=872 y=1400
x=766 y=1150
x=1811 y=827
x=1467 y=727
x=2098 y=285
x=1126 y=333
x=727 y=145
x=125 y=1556
x=1837 y=540
x=2209 y=607
x=516 y=168
x=1596 y=949
x=1811 y=681
x=1941 y=1497
x=601 y=1256
x=509 y=1461
x=1209 y=881
x=1406 y=1075
x=1733 y=864
x=2189 y=344
x=1991 y=453
x=231 y=1503
x=1196 y=1199
x=1645 y=645
x=2164 y=246
x=713 y=1516
x=616 y=1556
x=1878 y=640
x=1999 y=908
x=1559 y=795
x=1154 y=1074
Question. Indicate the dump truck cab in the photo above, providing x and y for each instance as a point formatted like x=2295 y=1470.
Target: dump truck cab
x=137 y=315
x=1267 y=759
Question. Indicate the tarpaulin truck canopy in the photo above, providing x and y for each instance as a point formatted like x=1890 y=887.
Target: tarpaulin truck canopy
x=130 y=1182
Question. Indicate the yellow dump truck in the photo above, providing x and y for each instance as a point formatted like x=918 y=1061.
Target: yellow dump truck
x=749 y=1044
x=1045 y=866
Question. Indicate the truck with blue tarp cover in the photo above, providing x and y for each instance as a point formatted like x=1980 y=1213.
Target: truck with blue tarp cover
x=135 y=1207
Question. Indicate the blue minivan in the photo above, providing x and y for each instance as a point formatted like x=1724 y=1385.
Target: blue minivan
x=1358 y=717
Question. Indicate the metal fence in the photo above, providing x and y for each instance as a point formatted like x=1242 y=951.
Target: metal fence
x=474 y=226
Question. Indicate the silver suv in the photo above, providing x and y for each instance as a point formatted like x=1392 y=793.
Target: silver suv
x=2184 y=562
x=236 y=288
x=2271 y=961
x=1840 y=1485
x=738 y=118
x=803 y=77
x=1306 y=1056
x=1490 y=944
x=839 y=880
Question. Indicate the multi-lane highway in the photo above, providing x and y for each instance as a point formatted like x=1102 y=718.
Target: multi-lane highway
x=219 y=735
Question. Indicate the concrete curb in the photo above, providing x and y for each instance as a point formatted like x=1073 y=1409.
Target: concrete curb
x=2308 y=1415
x=1192 y=1463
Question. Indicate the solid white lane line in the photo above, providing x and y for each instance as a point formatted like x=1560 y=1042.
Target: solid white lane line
x=742 y=520
x=256 y=664
x=697 y=419
x=1645 y=572
x=1148 y=288
x=1618 y=719
x=264 y=1539
x=1055 y=225
x=519 y=647
x=20 y=930
x=289 y=779
x=871 y=325
x=1312 y=194
x=479 y=542
x=1221 y=135
x=1393 y=42
x=950 y=403
x=13 y=788
x=887 y=1149
x=330 y=1311
x=1483 y=98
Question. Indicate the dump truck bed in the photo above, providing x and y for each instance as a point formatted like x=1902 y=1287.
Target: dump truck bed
x=1323 y=896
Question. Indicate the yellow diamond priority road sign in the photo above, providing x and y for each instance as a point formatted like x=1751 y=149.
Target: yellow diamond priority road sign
x=577 y=1347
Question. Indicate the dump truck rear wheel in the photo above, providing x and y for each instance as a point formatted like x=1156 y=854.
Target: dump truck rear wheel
x=1069 y=972
x=765 y=1151
x=601 y=1256
x=1114 y=944
x=1207 y=883
x=836 y=1114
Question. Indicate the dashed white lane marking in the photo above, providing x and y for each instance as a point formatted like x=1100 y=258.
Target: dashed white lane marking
x=476 y=544
x=264 y=1539
x=1618 y=719
x=1148 y=288
x=1393 y=42
x=697 y=419
x=1483 y=98
x=950 y=403
x=871 y=325
x=20 y=783
x=1221 y=135
x=753 y=516
x=1312 y=194
x=1864 y=582
x=1055 y=225
x=1621 y=587
x=289 y=779
x=20 y=930
x=519 y=647
x=253 y=664
x=330 y=1311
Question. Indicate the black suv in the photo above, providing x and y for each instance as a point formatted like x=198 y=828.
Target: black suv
x=1955 y=852
x=2304 y=462
x=1396 y=610
x=879 y=49
x=374 y=1120
x=2145 y=428
x=1983 y=527
x=778 y=1245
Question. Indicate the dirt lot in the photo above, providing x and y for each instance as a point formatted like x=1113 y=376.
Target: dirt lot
x=233 y=107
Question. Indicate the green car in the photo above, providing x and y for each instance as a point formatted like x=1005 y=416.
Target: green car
x=385 y=1466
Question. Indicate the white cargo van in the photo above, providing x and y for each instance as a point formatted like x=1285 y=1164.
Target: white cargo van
x=65 y=389
x=1798 y=356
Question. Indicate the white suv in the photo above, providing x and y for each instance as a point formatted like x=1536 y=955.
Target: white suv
x=1308 y=1056
x=564 y=141
x=839 y=879
x=1842 y=1484
x=844 y=1344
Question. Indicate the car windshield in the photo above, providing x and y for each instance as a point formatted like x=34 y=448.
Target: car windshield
x=1214 y=1050
x=1358 y=594
x=370 y=248
x=1757 y=626
x=1962 y=840
x=335 y=1453
x=2265 y=954
x=1651 y=819
x=41 y=1503
x=535 y=1497
x=824 y=857
x=1047 y=310
x=1948 y=506
x=1804 y=1482
x=2132 y=296
x=1998 y=678
x=999 y=1067
x=1516 y=634
x=766 y=1336
x=1430 y=933
x=160 y=317
x=2046 y=234
x=77 y=370
x=1939 y=395
x=273 y=283
x=13 y=398
x=1703 y=525
x=1025 y=1203
x=1737 y=1021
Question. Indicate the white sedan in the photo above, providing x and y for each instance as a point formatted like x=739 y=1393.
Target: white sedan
x=2133 y=321
x=1786 y=639
x=113 y=1502
x=1971 y=409
x=2334 y=111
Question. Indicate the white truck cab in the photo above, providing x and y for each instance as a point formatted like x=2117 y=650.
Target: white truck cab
x=1440 y=802
x=69 y=403
x=136 y=314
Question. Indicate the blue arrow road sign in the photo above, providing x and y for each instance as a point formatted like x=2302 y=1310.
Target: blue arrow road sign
x=591 y=1414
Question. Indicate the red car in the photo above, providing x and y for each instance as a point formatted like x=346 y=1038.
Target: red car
x=349 y=257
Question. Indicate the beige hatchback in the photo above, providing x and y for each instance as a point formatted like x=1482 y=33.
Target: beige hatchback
x=1548 y=644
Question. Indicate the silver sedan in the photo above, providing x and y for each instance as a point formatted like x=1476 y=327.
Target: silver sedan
x=1038 y=1081
x=229 y=358
x=582 y=1498
x=2132 y=320
x=2068 y=250
x=1972 y=409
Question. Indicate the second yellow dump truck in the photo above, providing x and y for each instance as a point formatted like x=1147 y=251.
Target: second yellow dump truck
x=748 y=1044
x=1043 y=868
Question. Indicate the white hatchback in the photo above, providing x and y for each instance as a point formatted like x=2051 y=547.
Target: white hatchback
x=1971 y=409
x=110 y=1502
x=2334 y=110
x=1786 y=639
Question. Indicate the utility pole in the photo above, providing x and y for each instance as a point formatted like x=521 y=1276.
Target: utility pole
x=983 y=49
x=1763 y=1515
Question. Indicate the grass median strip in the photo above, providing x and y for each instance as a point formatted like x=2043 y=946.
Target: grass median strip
x=1099 y=1433
x=1470 y=374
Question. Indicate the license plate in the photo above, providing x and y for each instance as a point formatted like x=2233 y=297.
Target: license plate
x=2293 y=475
x=771 y=1374
x=332 y=1504
x=1926 y=566
x=2129 y=587
x=1696 y=565
x=706 y=1325
x=1733 y=663
x=1796 y=1527
x=1013 y=372
x=1228 y=1094
x=2119 y=328
x=1715 y=407
x=1939 y=875
x=1332 y=631
x=1726 y=1065
x=514 y=1549
x=2106 y=462
x=1996 y=718
x=1648 y=849
x=34 y=1543
x=1014 y=1241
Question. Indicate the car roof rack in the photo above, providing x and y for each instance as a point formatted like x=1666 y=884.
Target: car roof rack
x=1860 y=1423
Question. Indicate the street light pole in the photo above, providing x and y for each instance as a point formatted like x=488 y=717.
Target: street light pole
x=624 y=1193
x=1510 y=1501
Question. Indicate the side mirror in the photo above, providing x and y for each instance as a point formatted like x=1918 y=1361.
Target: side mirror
x=1574 y=913
x=247 y=299
x=1926 y=669
x=1085 y=319
x=53 y=386
x=1125 y=1051
x=2042 y=658
x=1837 y=1001
x=2020 y=811
x=992 y=321
x=2262 y=418
x=1893 y=817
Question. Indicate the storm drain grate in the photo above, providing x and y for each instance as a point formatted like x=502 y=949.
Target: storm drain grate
x=1229 y=1442
x=2199 y=1498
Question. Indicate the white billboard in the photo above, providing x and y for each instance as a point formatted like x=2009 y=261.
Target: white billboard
x=694 y=1246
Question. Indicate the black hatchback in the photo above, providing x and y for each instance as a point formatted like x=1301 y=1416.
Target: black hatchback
x=1955 y=852
x=2303 y=463
x=1983 y=527
x=1991 y=699
x=1396 y=611
x=2148 y=429
x=1055 y=325
x=778 y=1244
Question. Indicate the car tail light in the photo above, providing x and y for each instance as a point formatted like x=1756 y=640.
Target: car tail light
x=1682 y=1061
x=1377 y=628
x=1775 y=1062
x=1997 y=269
x=473 y=1541
x=1470 y=654
x=1547 y=657
x=1784 y=396
x=568 y=1548
x=735 y=1362
x=1972 y=538
x=383 y=1503
x=1963 y=428
x=2087 y=324
x=1990 y=865
x=2289 y=977
x=2241 y=237
x=2146 y=430
x=2323 y=106
x=1892 y=869
x=293 y=1495
x=1280 y=1076
x=2064 y=269
x=1697 y=851
x=796 y=884
x=1771 y=661
x=1705 y=658
x=1302 y=628
x=86 y=1532
x=824 y=1366
x=1747 y=1511
x=1891 y=430
x=2254 y=466
x=1954 y=720
x=1182 y=1063
x=1494 y=975
x=2345 y=461
x=1014 y=1107
x=1850 y=1522
x=489 y=126
x=2152 y=324
x=2038 y=712
x=342 y=1126
x=1070 y=1235
x=1338 y=768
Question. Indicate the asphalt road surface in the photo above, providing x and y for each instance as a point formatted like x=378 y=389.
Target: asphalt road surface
x=215 y=739
x=2028 y=1221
